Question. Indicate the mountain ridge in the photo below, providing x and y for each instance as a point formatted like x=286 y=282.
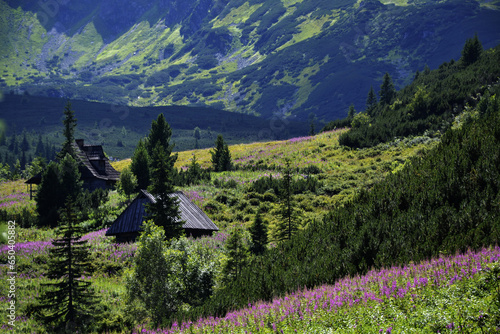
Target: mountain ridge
x=292 y=58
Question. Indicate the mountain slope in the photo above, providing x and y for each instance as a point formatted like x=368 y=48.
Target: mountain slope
x=259 y=56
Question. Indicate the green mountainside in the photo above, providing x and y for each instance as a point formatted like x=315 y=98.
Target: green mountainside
x=260 y=57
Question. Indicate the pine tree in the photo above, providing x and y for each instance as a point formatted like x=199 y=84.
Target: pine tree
x=160 y=133
x=165 y=210
x=48 y=196
x=71 y=182
x=194 y=171
x=288 y=225
x=59 y=181
x=237 y=256
x=14 y=146
x=312 y=119
x=387 y=90
x=23 y=160
x=67 y=302
x=371 y=100
x=472 y=51
x=40 y=148
x=140 y=165
x=69 y=123
x=221 y=157
x=25 y=145
x=258 y=232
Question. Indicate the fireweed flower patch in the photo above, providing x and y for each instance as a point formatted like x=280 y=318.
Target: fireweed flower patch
x=428 y=297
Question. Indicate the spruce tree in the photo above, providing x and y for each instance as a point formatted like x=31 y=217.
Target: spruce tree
x=194 y=171
x=25 y=145
x=471 y=51
x=237 y=256
x=221 y=157
x=258 y=232
x=40 y=149
x=371 y=100
x=66 y=302
x=69 y=123
x=160 y=133
x=140 y=165
x=3 y=139
x=165 y=210
x=59 y=181
x=387 y=90
x=288 y=224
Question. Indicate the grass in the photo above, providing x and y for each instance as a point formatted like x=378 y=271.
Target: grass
x=341 y=172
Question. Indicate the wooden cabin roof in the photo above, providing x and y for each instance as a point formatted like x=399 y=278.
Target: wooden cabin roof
x=131 y=219
x=87 y=154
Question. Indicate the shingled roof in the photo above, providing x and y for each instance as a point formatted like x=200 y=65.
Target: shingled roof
x=196 y=222
x=96 y=163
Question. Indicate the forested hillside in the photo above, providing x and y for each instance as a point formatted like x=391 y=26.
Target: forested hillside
x=430 y=103
x=444 y=202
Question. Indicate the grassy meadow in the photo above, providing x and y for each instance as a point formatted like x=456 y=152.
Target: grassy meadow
x=230 y=199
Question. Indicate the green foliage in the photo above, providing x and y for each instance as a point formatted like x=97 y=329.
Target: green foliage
x=59 y=181
x=472 y=51
x=359 y=120
x=258 y=232
x=127 y=183
x=288 y=224
x=430 y=103
x=66 y=303
x=69 y=123
x=387 y=90
x=237 y=256
x=193 y=175
x=140 y=165
x=444 y=202
x=371 y=101
x=166 y=277
x=221 y=157
x=164 y=211
x=153 y=279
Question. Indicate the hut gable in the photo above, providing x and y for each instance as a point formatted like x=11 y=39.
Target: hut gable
x=95 y=168
x=128 y=225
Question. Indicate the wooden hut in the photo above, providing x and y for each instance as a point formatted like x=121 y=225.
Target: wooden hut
x=128 y=225
x=95 y=168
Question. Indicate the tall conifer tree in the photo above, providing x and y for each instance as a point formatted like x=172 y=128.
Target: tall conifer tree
x=258 y=231
x=371 y=100
x=472 y=51
x=288 y=225
x=221 y=157
x=165 y=210
x=387 y=90
x=69 y=123
x=67 y=301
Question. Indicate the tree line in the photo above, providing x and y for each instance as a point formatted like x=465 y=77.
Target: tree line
x=428 y=105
